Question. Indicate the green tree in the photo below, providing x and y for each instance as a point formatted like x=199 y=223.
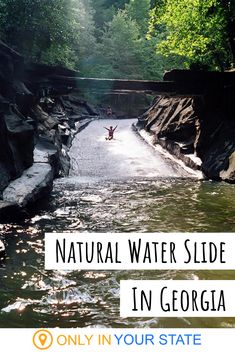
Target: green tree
x=118 y=4
x=102 y=13
x=54 y=31
x=139 y=10
x=193 y=29
x=120 y=48
x=124 y=52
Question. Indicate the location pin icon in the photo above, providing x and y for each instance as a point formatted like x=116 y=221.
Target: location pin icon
x=43 y=339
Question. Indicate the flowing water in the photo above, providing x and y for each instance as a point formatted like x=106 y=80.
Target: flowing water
x=120 y=186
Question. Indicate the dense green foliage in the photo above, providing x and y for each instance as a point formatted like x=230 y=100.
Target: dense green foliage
x=122 y=38
x=54 y=31
x=202 y=31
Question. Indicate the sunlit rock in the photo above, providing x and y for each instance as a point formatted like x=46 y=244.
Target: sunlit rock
x=197 y=124
x=35 y=183
x=229 y=174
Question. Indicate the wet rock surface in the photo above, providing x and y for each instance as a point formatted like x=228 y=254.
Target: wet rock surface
x=197 y=126
x=38 y=113
x=35 y=183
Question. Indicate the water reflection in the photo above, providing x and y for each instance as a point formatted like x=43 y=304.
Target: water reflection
x=33 y=297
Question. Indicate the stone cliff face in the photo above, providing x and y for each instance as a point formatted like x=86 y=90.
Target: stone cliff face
x=38 y=112
x=15 y=128
x=201 y=123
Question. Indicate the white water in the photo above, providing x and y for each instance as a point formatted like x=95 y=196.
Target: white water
x=93 y=157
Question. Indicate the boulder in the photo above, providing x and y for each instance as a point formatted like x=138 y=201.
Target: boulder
x=46 y=152
x=229 y=173
x=34 y=184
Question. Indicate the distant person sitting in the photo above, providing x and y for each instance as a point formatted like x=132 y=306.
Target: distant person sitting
x=109 y=111
x=111 y=132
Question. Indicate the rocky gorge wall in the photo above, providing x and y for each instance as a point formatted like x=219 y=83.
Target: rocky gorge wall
x=199 y=124
x=38 y=112
x=40 y=105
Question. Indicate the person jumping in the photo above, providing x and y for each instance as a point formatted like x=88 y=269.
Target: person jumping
x=111 y=132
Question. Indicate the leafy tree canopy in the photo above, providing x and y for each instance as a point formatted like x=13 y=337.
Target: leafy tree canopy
x=194 y=29
x=108 y=38
x=139 y=11
x=49 y=31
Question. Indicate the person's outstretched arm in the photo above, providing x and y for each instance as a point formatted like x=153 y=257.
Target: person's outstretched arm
x=106 y=128
x=115 y=128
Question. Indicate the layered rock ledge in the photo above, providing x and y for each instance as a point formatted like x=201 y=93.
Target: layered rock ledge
x=197 y=128
x=39 y=117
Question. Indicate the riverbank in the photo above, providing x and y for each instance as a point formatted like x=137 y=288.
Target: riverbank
x=39 y=119
x=53 y=139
